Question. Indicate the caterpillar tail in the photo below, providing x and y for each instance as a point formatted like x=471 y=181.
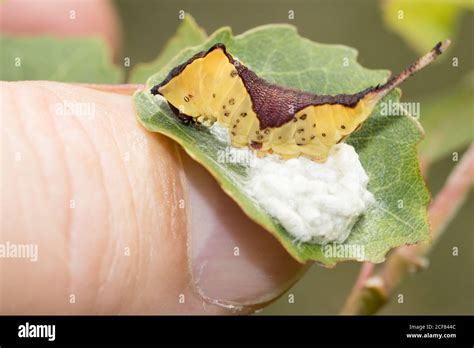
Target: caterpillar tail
x=382 y=90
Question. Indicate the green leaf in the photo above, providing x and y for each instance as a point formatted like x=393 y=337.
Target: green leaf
x=46 y=58
x=423 y=22
x=447 y=119
x=188 y=34
x=386 y=144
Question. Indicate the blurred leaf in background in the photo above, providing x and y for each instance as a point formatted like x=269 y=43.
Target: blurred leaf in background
x=188 y=34
x=46 y=58
x=424 y=22
x=447 y=119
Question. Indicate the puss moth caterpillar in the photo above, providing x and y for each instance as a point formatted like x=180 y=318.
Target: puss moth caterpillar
x=212 y=86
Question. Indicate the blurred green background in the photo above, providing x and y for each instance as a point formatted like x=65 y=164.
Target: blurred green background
x=447 y=286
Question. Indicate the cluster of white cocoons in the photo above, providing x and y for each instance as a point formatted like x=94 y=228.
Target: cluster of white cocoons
x=315 y=202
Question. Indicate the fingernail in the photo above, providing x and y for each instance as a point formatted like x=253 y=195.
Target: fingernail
x=233 y=260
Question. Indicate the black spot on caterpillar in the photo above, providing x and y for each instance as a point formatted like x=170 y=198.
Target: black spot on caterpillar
x=206 y=90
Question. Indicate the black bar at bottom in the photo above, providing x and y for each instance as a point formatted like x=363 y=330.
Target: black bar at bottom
x=411 y=330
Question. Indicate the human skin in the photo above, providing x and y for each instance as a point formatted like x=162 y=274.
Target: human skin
x=123 y=219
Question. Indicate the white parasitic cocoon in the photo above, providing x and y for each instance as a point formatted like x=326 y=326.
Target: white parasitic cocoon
x=315 y=202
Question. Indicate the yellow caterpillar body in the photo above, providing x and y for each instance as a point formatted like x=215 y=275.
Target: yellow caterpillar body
x=214 y=87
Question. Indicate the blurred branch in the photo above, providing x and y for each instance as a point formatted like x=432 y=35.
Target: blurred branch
x=371 y=292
